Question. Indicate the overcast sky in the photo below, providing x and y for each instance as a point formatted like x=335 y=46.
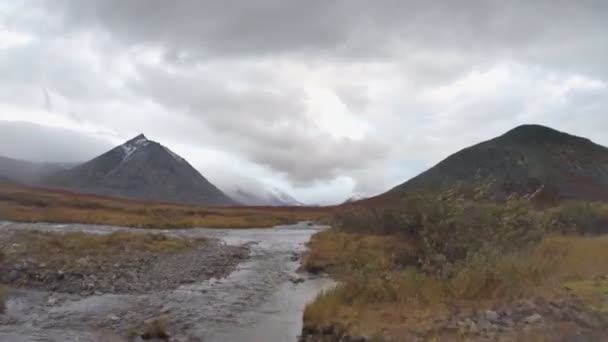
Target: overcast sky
x=320 y=97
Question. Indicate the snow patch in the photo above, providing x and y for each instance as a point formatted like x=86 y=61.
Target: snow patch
x=132 y=146
x=355 y=197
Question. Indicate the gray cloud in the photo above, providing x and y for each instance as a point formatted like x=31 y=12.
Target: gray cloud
x=268 y=125
x=546 y=32
x=27 y=141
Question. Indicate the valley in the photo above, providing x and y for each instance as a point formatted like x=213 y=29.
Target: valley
x=502 y=241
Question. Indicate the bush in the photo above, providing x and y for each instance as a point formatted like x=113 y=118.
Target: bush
x=578 y=218
x=448 y=227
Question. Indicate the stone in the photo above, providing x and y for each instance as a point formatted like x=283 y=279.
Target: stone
x=13 y=275
x=296 y=280
x=52 y=300
x=492 y=316
x=533 y=319
x=113 y=318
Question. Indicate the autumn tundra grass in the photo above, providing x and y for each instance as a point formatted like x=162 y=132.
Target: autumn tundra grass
x=3 y=293
x=28 y=204
x=405 y=268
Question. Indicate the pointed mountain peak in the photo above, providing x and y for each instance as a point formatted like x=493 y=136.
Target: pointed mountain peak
x=140 y=138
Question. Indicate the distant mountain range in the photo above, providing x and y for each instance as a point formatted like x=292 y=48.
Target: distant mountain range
x=29 y=172
x=523 y=160
x=270 y=196
x=141 y=169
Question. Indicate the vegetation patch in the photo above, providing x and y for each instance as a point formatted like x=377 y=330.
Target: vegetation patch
x=3 y=293
x=439 y=255
x=28 y=204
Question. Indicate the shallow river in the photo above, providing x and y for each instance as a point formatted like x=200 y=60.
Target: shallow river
x=258 y=302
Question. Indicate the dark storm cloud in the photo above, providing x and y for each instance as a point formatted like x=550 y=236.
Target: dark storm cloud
x=549 y=32
x=27 y=141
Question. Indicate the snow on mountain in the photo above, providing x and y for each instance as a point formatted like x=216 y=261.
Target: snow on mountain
x=249 y=191
x=355 y=197
x=279 y=196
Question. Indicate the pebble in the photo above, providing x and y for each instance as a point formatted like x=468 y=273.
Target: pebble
x=492 y=316
x=13 y=275
x=533 y=319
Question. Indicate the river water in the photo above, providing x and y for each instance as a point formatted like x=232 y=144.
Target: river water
x=256 y=303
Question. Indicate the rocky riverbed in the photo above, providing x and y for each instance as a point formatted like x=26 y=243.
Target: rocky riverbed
x=239 y=285
x=120 y=270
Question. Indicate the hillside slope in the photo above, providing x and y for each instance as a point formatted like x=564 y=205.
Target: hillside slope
x=521 y=161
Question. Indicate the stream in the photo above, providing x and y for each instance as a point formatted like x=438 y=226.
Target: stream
x=257 y=302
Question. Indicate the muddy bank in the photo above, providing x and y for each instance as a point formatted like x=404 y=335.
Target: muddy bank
x=43 y=260
x=262 y=300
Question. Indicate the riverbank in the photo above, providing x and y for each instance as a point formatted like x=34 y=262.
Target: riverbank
x=119 y=262
x=262 y=299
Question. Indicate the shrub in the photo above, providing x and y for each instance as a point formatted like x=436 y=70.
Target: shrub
x=578 y=218
x=448 y=226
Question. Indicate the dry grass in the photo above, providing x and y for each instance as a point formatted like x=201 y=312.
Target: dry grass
x=3 y=296
x=339 y=252
x=74 y=245
x=3 y=293
x=387 y=295
x=28 y=204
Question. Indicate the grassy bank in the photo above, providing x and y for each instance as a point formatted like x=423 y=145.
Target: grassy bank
x=74 y=245
x=27 y=204
x=416 y=266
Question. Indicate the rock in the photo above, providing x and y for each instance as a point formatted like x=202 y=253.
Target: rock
x=52 y=300
x=165 y=309
x=533 y=319
x=297 y=280
x=13 y=275
x=294 y=256
x=492 y=316
x=113 y=318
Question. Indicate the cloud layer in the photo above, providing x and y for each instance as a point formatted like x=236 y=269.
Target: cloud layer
x=318 y=97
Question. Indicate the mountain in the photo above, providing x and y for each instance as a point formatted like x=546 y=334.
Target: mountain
x=142 y=169
x=523 y=160
x=270 y=196
x=27 y=172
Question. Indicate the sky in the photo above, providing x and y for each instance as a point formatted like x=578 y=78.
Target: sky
x=320 y=98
